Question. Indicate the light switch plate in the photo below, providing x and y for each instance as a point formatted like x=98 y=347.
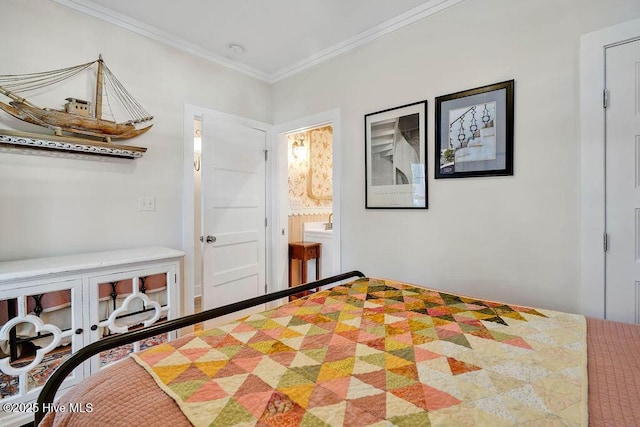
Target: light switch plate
x=147 y=203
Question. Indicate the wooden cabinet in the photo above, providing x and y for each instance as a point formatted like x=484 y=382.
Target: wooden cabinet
x=51 y=307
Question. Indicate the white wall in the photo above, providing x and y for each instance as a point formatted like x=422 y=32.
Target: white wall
x=53 y=206
x=508 y=238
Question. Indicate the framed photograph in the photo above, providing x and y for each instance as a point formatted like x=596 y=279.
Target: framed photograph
x=474 y=132
x=395 y=157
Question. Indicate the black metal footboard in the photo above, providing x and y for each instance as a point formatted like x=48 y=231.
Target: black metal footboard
x=53 y=383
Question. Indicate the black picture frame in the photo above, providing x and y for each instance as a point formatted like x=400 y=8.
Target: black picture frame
x=474 y=132
x=396 y=158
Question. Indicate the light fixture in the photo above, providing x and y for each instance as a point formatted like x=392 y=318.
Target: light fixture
x=236 y=48
x=298 y=149
x=197 y=149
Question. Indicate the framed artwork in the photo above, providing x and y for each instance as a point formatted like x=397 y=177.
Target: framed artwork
x=395 y=158
x=474 y=132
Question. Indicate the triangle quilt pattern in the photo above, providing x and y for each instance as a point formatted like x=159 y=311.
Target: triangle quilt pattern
x=379 y=352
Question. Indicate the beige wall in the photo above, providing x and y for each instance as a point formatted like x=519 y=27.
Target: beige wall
x=53 y=206
x=509 y=238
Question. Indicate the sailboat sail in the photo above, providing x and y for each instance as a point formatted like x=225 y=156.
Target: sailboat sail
x=79 y=116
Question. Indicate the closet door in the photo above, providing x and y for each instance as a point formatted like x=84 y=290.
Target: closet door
x=623 y=183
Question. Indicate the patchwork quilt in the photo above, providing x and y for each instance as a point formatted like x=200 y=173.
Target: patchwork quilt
x=378 y=352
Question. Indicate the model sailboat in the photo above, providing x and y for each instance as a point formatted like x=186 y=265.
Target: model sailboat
x=78 y=116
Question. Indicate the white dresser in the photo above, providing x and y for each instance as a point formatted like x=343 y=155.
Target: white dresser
x=51 y=307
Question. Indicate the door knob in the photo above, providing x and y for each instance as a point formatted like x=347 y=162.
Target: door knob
x=211 y=239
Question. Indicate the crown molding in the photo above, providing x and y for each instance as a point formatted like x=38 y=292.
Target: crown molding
x=95 y=10
x=393 y=24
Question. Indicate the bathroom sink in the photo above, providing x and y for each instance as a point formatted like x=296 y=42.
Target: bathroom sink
x=312 y=233
x=317 y=228
x=317 y=232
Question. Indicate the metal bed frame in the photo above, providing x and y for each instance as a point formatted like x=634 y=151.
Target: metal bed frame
x=47 y=395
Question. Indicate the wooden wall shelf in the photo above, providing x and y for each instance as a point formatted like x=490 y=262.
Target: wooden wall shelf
x=35 y=141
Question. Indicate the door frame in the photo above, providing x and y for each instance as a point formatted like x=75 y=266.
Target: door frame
x=592 y=161
x=280 y=201
x=191 y=113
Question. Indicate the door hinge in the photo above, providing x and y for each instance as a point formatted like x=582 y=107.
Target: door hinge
x=605 y=98
x=265 y=288
x=266 y=155
x=265 y=222
x=605 y=242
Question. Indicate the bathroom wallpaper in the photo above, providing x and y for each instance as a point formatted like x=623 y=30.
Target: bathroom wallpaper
x=311 y=172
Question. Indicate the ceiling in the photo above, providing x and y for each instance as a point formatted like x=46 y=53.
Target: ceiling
x=277 y=38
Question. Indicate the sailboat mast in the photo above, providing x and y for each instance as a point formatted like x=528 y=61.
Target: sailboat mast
x=99 y=90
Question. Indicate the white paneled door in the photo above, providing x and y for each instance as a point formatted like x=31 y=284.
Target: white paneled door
x=233 y=213
x=623 y=182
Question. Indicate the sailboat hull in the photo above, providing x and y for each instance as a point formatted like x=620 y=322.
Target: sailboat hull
x=72 y=123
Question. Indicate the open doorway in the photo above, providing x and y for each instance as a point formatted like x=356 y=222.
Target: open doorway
x=310 y=200
x=276 y=184
x=308 y=194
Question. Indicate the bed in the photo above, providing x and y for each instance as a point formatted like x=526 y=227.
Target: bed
x=367 y=352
